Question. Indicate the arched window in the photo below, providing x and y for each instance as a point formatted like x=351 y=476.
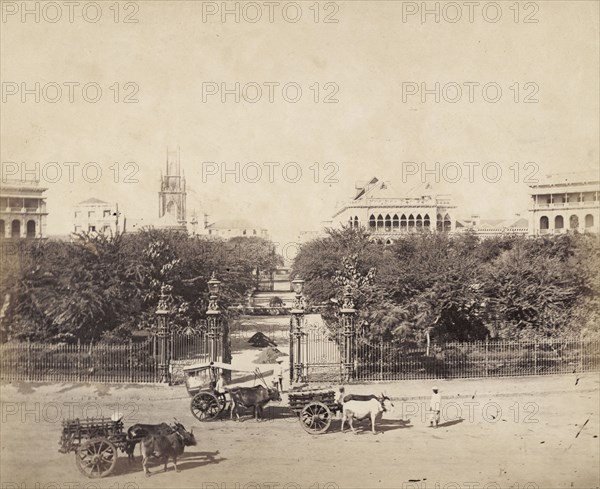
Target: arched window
x=589 y=221
x=544 y=223
x=15 y=229
x=559 y=222
x=440 y=223
x=389 y=242
x=574 y=221
x=379 y=221
x=419 y=221
x=30 y=229
x=356 y=221
x=372 y=222
x=426 y=221
x=447 y=223
x=395 y=221
x=2 y=228
x=388 y=223
x=411 y=221
x=403 y=221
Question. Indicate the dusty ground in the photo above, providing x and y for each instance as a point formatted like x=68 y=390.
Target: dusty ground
x=524 y=433
x=519 y=433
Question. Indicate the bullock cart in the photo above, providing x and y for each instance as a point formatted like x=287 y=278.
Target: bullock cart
x=315 y=408
x=200 y=380
x=95 y=442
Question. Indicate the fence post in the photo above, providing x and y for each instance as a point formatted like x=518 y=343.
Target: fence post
x=79 y=363
x=380 y=349
x=347 y=311
x=535 y=353
x=581 y=347
x=291 y=351
x=487 y=347
x=28 y=369
x=130 y=350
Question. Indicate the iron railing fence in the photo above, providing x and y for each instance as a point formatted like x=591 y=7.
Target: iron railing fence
x=189 y=346
x=132 y=362
x=323 y=356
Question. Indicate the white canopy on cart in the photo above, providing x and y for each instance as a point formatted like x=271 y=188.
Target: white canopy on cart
x=199 y=367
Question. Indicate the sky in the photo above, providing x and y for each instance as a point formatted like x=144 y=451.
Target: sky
x=350 y=100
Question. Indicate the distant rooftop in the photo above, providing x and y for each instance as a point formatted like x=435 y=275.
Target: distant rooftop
x=17 y=183
x=233 y=224
x=589 y=176
x=93 y=200
x=514 y=222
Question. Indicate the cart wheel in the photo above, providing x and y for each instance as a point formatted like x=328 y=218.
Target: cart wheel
x=205 y=406
x=96 y=458
x=315 y=418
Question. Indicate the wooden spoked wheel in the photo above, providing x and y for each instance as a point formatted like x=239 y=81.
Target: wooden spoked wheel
x=205 y=406
x=96 y=458
x=315 y=418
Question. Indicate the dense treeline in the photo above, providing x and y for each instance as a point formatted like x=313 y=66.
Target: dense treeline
x=106 y=287
x=457 y=287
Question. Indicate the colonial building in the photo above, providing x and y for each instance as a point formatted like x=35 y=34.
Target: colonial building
x=96 y=216
x=565 y=202
x=230 y=228
x=387 y=213
x=516 y=226
x=22 y=210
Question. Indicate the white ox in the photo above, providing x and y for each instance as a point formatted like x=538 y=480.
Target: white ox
x=363 y=407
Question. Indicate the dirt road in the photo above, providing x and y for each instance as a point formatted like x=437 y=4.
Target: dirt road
x=516 y=440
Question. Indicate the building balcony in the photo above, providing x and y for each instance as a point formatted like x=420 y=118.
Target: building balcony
x=24 y=210
x=566 y=205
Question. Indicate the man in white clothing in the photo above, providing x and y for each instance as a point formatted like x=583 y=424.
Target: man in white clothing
x=435 y=407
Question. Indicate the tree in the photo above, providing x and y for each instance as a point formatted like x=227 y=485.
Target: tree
x=434 y=286
x=106 y=287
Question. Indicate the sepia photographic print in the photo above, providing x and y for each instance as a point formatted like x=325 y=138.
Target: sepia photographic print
x=301 y=244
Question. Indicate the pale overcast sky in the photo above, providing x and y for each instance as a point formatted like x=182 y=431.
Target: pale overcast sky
x=365 y=57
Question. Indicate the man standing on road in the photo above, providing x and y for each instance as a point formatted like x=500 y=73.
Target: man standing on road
x=280 y=375
x=434 y=407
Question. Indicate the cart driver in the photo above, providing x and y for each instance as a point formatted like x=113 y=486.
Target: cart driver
x=221 y=387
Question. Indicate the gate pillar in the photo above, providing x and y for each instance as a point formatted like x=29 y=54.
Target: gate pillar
x=348 y=312
x=213 y=319
x=296 y=365
x=163 y=336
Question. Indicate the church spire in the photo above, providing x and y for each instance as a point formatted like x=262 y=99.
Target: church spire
x=172 y=194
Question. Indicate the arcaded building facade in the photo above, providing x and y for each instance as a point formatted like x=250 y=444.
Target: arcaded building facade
x=564 y=203
x=22 y=210
x=386 y=213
